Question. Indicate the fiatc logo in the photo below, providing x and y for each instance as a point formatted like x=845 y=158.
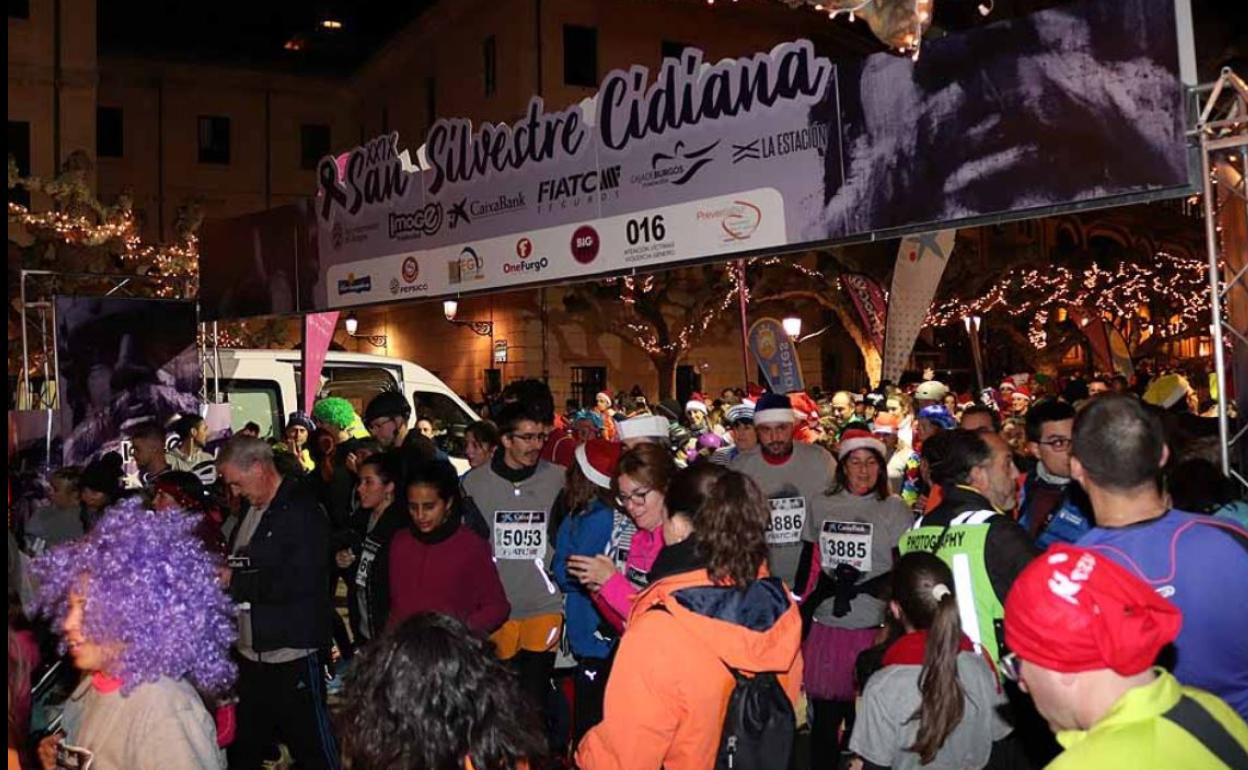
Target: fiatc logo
x=410 y=272
x=353 y=285
x=425 y=221
x=737 y=221
x=578 y=189
x=528 y=263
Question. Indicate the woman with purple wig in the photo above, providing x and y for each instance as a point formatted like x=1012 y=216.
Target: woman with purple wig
x=143 y=617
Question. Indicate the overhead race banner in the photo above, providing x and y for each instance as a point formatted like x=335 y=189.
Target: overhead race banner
x=776 y=356
x=776 y=150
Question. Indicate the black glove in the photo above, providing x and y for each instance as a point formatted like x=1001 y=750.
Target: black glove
x=845 y=588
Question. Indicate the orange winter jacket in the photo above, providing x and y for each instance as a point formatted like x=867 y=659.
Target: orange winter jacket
x=668 y=692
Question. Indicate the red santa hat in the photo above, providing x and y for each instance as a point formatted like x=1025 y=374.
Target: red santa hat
x=598 y=460
x=607 y=396
x=1021 y=390
x=856 y=438
x=697 y=403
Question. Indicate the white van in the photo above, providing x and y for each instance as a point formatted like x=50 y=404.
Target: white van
x=263 y=386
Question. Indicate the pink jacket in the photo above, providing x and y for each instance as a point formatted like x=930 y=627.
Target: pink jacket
x=615 y=600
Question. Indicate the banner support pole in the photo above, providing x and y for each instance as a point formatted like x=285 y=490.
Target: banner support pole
x=745 y=326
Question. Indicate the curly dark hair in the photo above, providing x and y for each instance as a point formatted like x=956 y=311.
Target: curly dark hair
x=428 y=694
x=731 y=530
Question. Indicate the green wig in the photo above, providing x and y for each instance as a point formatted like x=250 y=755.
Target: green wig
x=334 y=411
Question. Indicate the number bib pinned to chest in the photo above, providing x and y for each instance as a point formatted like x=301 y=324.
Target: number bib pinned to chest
x=845 y=542
x=784 y=526
x=520 y=535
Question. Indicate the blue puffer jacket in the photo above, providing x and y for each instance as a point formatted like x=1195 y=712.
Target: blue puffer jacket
x=1067 y=523
x=585 y=533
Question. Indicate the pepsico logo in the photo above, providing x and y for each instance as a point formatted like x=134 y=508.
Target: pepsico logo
x=411 y=270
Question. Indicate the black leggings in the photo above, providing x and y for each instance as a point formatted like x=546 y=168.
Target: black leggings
x=589 y=687
x=826 y=717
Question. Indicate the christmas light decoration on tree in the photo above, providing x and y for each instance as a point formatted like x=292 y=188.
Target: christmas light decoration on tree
x=1130 y=290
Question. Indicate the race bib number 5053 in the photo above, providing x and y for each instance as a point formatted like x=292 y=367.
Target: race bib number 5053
x=787 y=516
x=845 y=542
x=520 y=535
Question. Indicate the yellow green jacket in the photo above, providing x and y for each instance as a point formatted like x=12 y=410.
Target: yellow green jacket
x=1135 y=734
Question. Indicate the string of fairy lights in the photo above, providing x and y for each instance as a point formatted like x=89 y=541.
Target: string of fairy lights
x=646 y=335
x=1171 y=284
x=175 y=261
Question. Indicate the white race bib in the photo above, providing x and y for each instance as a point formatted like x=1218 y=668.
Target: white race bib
x=364 y=567
x=520 y=535
x=845 y=542
x=787 y=516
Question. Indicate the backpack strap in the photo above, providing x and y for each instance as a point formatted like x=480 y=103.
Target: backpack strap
x=1190 y=715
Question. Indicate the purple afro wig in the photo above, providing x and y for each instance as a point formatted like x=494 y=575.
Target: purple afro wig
x=151 y=587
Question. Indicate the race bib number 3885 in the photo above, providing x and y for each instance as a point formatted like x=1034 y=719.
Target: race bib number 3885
x=787 y=516
x=520 y=535
x=845 y=542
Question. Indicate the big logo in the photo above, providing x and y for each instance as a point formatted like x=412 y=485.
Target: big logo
x=424 y=221
x=353 y=285
x=585 y=244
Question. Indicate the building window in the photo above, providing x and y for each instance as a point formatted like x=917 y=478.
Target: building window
x=19 y=9
x=580 y=56
x=587 y=383
x=214 y=139
x=688 y=382
x=314 y=144
x=489 y=57
x=19 y=149
x=431 y=101
x=672 y=49
x=108 y=135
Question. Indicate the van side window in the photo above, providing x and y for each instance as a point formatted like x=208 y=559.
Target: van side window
x=255 y=401
x=449 y=420
x=357 y=384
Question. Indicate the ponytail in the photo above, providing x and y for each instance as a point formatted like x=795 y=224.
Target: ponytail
x=921 y=587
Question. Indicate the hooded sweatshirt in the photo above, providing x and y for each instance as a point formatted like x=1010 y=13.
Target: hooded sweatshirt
x=669 y=687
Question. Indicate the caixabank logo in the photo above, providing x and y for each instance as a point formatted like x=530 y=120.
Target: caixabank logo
x=528 y=263
x=575 y=190
x=410 y=273
x=353 y=285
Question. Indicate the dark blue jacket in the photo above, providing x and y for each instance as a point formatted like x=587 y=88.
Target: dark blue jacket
x=583 y=534
x=1069 y=521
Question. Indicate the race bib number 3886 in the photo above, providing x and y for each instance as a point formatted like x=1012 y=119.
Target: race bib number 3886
x=845 y=542
x=520 y=535
x=787 y=516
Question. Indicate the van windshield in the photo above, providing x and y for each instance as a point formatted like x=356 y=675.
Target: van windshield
x=449 y=421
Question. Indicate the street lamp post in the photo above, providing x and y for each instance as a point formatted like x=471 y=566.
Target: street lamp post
x=450 y=308
x=352 y=325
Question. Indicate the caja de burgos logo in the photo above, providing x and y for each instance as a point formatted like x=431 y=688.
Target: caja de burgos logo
x=527 y=263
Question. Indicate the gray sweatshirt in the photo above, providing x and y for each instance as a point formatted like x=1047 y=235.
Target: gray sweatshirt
x=884 y=727
x=862 y=531
x=161 y=725
x=790 y=490
x=518 y=516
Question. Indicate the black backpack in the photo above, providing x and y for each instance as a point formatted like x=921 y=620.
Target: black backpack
x=759 y=725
